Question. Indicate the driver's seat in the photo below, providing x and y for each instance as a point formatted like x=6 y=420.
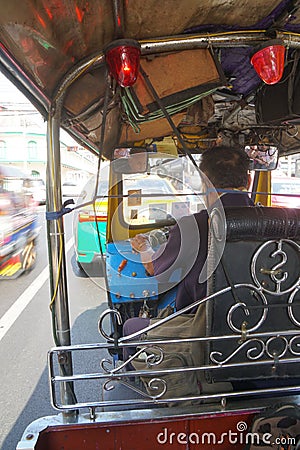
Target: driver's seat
x=258 y=320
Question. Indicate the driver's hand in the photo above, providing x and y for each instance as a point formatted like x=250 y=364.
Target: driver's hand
x=140 y=243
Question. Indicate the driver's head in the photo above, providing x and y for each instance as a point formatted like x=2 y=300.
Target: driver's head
x=226 y=167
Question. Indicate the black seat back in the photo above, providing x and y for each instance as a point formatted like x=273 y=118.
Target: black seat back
x=259 y=320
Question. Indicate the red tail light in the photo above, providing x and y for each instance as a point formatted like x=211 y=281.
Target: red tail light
x=268 y=62
x=123 y=60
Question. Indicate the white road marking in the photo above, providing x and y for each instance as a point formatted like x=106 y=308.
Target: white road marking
x=20 y=304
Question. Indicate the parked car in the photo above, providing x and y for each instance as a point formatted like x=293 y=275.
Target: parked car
x=36 y=187
x=286 y=192
x=71 y=189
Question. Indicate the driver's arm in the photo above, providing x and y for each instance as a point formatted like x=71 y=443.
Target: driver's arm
x=140 y=244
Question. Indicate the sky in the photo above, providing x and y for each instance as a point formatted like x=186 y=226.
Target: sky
x=9 y=93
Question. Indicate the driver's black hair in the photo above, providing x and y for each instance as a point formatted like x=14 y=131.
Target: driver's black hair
x=226 y=167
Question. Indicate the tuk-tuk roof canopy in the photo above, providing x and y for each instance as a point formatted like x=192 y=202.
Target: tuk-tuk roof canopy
x=53 y=51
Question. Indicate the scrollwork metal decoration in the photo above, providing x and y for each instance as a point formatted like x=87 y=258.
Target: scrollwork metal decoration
x=291 y=307
x=276 y=273
x=259 y=348
x=109 y=385
x=159 y=385
x=247 y=311
x=277 y=353
x=250 y=352
x=155 y=384
x=102 y=317
x=152 y=356
x=294 y=345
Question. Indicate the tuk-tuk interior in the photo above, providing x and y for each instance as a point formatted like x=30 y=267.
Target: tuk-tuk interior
x=150 y=87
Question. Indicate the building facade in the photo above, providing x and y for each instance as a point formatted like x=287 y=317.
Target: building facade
x=23 y=144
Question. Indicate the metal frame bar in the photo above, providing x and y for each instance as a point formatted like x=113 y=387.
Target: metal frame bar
x=115 y=376
x=56 y=249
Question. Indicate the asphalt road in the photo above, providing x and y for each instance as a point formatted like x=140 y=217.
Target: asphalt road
x=24 y=388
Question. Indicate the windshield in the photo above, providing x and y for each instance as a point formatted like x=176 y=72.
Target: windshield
x=151 y=184
x=168 y=191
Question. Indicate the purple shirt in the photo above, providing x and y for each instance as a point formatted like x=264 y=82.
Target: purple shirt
x=181 y=260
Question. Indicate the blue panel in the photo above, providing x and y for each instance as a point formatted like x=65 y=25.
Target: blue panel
x=130 y=282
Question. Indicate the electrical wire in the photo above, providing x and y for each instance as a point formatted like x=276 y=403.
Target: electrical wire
x=58 y=222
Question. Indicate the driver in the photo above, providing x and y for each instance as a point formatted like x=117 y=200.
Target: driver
x=226 y=168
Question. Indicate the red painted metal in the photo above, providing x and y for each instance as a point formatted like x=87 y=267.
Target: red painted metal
x=222 y=431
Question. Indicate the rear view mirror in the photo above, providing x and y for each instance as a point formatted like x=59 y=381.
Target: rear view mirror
x=130 y=160
x=262 y=157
